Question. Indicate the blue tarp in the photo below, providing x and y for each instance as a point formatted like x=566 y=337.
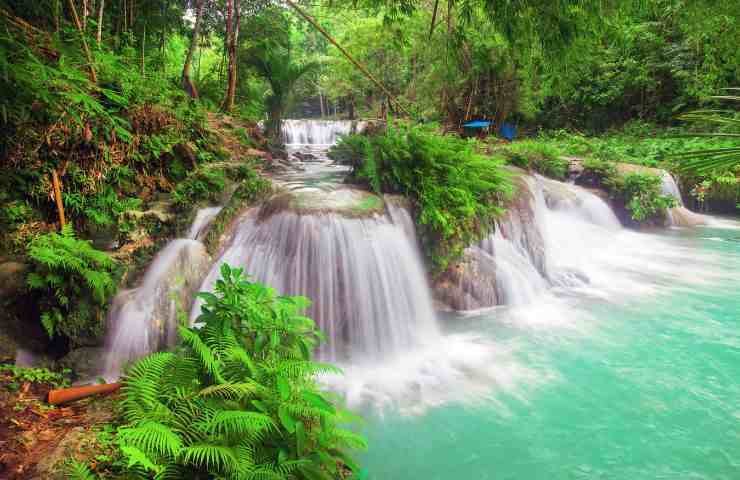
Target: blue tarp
x=477 y=124
x=508 y=131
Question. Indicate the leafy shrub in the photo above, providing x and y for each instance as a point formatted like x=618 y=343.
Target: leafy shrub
x=205 y=184
x=16 y=375
x=350 y=150
x=642 y=195
x=238 y=399
x=75 y=281
x=458 y=192
x=538 y=156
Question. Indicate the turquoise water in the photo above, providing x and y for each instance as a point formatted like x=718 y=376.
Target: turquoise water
x=636 y=386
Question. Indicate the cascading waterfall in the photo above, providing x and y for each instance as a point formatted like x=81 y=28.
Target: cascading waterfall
x=679 y=215
x=144 y=319
x=317 y=132
x=203 y=219
x=669 y=187
x=363 y=275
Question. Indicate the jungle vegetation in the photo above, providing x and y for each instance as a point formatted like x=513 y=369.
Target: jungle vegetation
x=119 y=117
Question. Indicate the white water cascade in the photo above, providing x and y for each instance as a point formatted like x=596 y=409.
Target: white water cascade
x=144 y=319
x=679 y=216
x=363 y=275
x=317 y=132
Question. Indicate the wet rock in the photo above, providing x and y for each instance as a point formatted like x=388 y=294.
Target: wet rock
x=347 y=201
x=85 y=362
x=520 y=225
x=186 y=153
x=12 y=278
x=469 y=284
x=683 y=217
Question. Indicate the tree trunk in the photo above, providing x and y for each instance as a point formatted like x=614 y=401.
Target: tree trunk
x=227 y=45
x=274 y=122
x=187 y=83
x=93 y=75
x=143 y=47
x=321 y=104
x=232 y=30
x=84 y=15
x=100 y=22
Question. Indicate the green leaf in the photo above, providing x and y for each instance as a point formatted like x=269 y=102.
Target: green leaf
x=286 y=419
x=316 y=400
x=283 y=387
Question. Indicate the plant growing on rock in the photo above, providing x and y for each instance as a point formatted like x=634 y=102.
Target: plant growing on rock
x=238 y=400
x=642 y=195
x=75 y=282
x=458 y=192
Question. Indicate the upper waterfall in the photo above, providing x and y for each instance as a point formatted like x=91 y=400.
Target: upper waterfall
x=317 y=132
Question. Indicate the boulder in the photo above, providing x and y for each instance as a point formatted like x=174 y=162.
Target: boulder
x=12 y=278
x=85 y=362
x=469 y=284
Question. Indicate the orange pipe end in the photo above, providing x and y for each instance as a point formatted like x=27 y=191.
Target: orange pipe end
x=65 y=395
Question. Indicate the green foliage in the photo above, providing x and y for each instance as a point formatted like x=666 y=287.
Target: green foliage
x=541 y=157
x=205 y=184
x=640 y=192
x=251 y=188
x=76 y=470
x=238 y=400
x=273 y=58
x=350 y=150
x=17 y=375
x=719 y=158
x=458 y=192
x=642 y=195
x=75 y=282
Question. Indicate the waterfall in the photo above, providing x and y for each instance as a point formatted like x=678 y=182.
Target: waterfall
x=317 y=132
x=144 y=319
x=679 y=216
x=669 y=187
x=364 y=276
x=549 y=238
x=203 y=219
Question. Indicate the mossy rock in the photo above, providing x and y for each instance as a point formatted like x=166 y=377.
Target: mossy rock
x=348 y=202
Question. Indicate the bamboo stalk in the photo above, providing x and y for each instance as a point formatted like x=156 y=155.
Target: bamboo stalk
x=100 y=22
x=58 y=197
x=66 y=395
x=349 y=57
x=93 y=75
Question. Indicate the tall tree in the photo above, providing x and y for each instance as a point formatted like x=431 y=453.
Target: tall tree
x=187 y=83
x=233 y=18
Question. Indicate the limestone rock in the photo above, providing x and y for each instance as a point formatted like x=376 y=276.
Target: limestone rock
x=470 y=283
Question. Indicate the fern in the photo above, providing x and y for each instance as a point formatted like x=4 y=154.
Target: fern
x=75 y=281
x=78 y=471
x=238 y=399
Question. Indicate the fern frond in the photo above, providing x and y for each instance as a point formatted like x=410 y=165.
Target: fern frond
x=232 y=390
x=204 y=353
x=75 y=470
x=151 y=436
x=216 y=458
x=240 y=423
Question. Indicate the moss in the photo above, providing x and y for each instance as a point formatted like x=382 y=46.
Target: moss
x=250 y=190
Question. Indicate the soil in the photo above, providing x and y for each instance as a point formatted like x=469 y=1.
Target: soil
x=36 y=438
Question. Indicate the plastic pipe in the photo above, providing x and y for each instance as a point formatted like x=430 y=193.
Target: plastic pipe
x=65 y=395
